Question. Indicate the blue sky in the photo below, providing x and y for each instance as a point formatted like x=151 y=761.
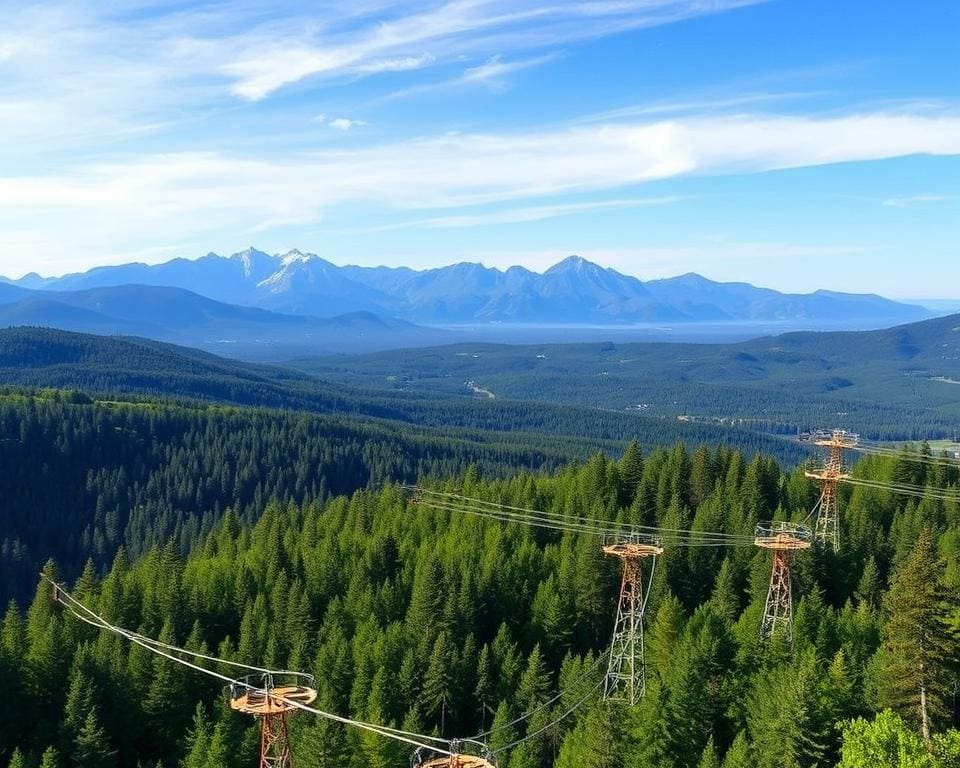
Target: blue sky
x=796 y=144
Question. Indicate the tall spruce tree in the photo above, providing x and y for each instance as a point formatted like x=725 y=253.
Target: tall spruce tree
x=920 y=648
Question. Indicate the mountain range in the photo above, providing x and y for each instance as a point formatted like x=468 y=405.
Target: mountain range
x=574 y=291
x=180 y=316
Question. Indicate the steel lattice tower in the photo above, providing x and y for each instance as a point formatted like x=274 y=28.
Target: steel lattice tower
x=274 y=741
x=827 y=529
x=625 y=680
x=782 y=539
x=269 y=697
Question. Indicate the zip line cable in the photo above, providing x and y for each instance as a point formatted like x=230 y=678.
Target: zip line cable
x=451 y=502
x=881 y=449
x=555 y=722
x=167 y=651
x=101 y=623
x=526 y=716
x=693 y=539
x=559 y=516
x=384 y=731
x=904 y=489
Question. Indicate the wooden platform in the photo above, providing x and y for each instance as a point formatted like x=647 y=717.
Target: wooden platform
x=279 y=699
x=781 y=541
x=628 y=549
x=457 y=761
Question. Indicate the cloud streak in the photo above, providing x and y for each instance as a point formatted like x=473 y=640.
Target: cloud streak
x=259 y=64
x=201 y=194
x=912 y=201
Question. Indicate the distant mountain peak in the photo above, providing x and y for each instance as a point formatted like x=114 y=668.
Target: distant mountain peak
x=573 y=263
x=250 y=258
x=297 y=256
x=574 y=290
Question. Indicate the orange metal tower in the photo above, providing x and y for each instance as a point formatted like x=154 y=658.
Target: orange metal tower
x=270 y=696
x=782 y=538
x=625 y=680
x=827 y=529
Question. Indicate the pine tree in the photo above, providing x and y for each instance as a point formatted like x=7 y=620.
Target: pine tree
x=534 y=688
x=92 y=748
x=198 y=740
x=50 y=758
x=868 y=590
x=919 y=645
x=437 y=695
x=665 y=633
x=784 y=717
x=709 y=757
x=16 y=759
x=725 y=598
x=630 y=472
x=485 y=691
x=740 y=754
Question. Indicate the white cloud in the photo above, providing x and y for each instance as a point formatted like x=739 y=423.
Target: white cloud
x=912 y=200
x=261 y=63
x=518 y=215
x=200 y=195
x=541 y=212
x=345 y=123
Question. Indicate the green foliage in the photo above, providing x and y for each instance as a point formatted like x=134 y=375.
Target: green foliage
x=920 y=648
x=888 y=741
x=443 y=623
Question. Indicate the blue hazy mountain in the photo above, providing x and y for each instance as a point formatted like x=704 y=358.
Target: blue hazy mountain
x=182 y=316
x=575 y=291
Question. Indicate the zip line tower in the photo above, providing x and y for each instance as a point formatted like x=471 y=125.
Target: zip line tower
x=270 y=696
x=782 y=539
x=626 y=680
x=827 y=529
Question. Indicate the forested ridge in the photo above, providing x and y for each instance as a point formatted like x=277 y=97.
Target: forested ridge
x=107 y=366
x=84 y=474
x=446 y=623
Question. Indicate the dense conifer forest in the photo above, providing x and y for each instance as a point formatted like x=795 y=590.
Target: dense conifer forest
x=86 y=474
x=449 y=624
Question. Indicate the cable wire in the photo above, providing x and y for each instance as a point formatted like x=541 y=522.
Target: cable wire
x=451 y=502
x=526 y=716
x=555 y=722
x=385 y=731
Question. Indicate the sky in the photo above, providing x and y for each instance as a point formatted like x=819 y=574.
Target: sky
x=794 y=144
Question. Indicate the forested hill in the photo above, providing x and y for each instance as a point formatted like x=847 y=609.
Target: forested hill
x=449 y=624
x=42 y=357
x=901 y=383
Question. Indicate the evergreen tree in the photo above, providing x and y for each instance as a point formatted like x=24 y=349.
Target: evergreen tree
x=92 y=748
x=709 y=757
x=50 y=758
x=786 y=724
x=198 y=740
x=868 y=590
x=438 y=684
x=740 y=755
x=920 y=647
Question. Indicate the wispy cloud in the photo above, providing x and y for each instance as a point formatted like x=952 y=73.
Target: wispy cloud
x=540 y=212
x=492 y=74
x=202 y=194
x=912 y=201
x=519 y=215
x=421 y=34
